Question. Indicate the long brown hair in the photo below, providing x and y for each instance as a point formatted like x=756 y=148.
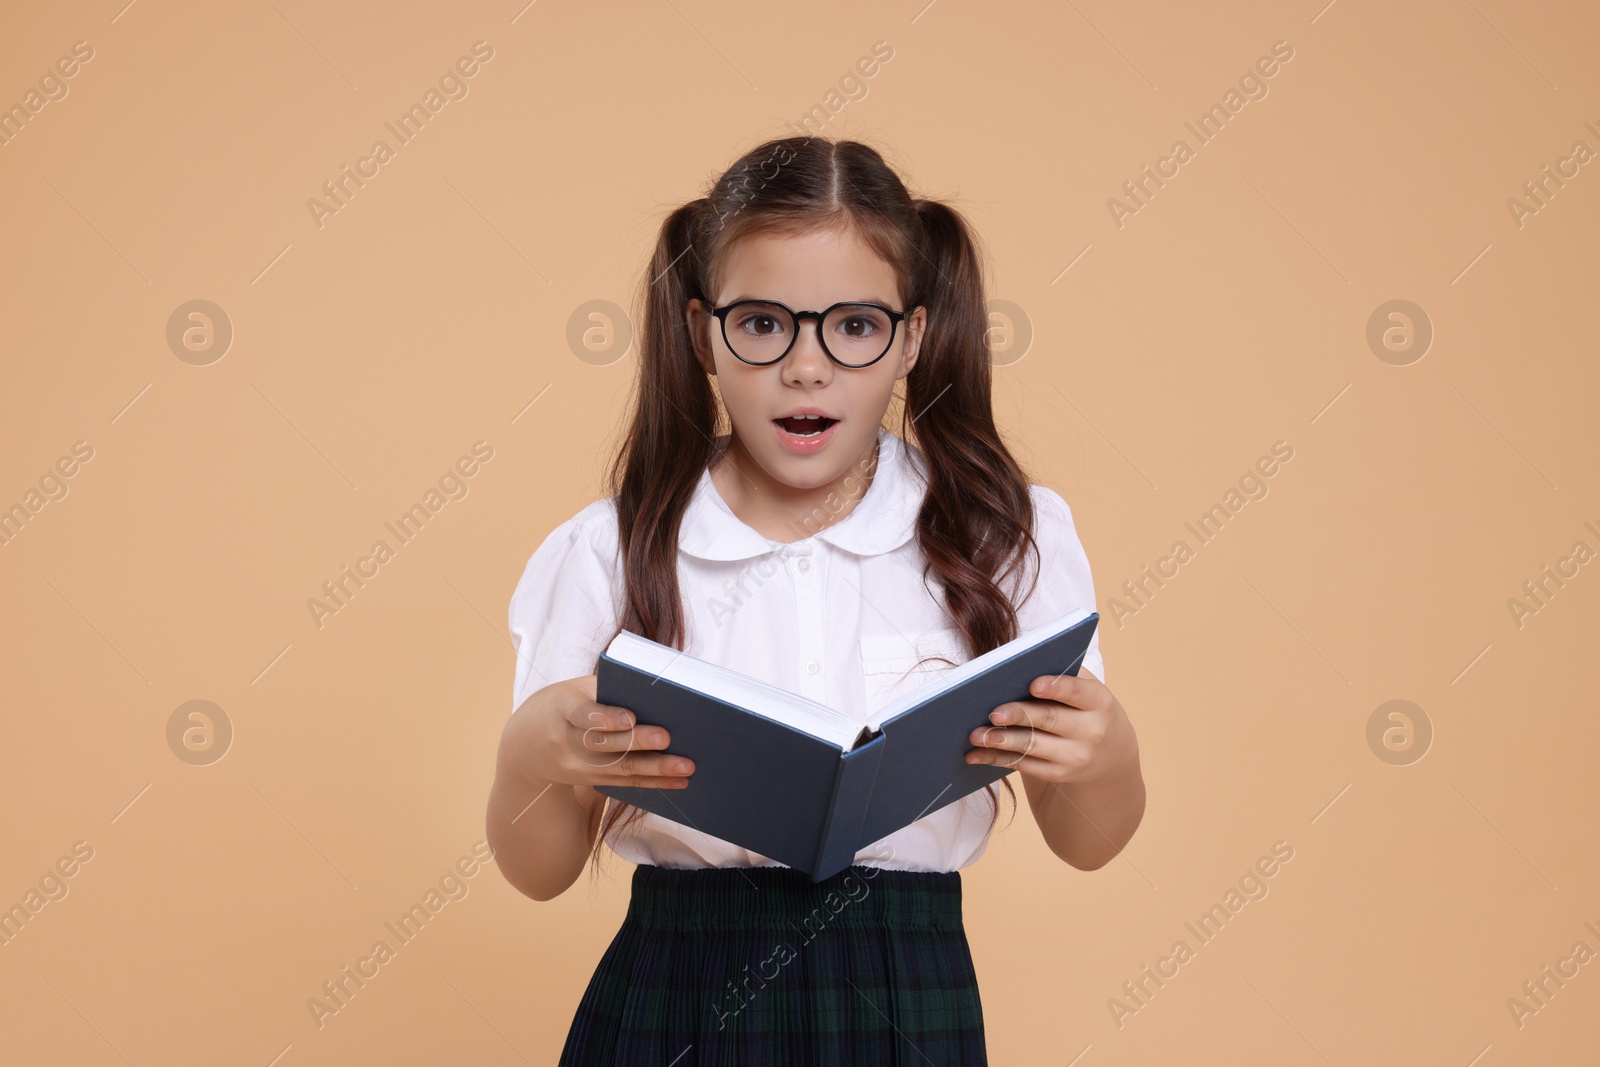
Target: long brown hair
x=976 y=520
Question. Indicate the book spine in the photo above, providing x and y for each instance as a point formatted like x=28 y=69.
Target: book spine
x=847 y=809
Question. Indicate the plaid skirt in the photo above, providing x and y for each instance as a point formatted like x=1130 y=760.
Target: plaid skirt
x=759 y=965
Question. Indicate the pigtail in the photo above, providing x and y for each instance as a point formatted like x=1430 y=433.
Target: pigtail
x=976 y=521
x=670 y=438
x=975 y=526
x=669 y=441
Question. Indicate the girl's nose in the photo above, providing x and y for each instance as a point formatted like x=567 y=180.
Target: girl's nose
x=807 y=363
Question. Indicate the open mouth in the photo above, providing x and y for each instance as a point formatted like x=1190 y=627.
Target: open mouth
x=805 y=425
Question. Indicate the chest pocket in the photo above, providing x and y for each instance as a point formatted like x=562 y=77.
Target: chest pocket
x=895 y=664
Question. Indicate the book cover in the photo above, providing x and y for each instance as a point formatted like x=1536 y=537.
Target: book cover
x=774 y=789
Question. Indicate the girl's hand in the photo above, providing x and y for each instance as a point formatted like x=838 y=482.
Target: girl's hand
x=1075 y=732
x=560 y=734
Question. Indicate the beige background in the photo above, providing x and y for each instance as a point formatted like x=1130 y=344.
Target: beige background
x=369 y=354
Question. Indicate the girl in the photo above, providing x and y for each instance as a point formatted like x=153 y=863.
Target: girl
x=773 y=525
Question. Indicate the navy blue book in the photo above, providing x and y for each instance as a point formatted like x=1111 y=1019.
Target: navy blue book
x=802 y=783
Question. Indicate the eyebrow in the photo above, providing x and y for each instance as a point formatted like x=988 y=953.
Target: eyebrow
x=866 y=300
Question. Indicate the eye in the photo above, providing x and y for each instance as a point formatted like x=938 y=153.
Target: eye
x=761 y=321
x=759 y=324
x=857 y=323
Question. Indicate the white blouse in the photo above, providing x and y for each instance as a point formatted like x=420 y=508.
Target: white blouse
x=840 y=617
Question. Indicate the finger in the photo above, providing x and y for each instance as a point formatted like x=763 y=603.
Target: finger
x=595 y=748
x=1048 y=770
x=638 y=738
x=1034 y=714
x=1081 y=690
x=1012 y=751
x=647 y=783
x=644 y=781
x=592 y=715
x=1083 y=724
x=1005 y=745
x=635 y=767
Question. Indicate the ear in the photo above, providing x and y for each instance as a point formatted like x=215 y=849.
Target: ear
x=699 y=320
x=916 y=326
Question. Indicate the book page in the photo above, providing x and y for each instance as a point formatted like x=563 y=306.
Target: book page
x=959 y=676
x=740 y=690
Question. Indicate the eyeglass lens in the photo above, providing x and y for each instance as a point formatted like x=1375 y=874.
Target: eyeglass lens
x=761 y=333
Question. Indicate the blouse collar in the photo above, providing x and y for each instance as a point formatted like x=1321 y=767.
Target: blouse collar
x=883 y=520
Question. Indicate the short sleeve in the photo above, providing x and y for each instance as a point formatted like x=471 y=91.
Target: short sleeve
x=1065 y=582
x=567 y=604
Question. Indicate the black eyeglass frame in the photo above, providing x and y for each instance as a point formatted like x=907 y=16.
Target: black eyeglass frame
x=895 y=318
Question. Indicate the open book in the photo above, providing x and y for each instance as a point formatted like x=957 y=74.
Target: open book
x=806 y=784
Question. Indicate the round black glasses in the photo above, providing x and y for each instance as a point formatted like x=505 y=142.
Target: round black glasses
x=761 y=332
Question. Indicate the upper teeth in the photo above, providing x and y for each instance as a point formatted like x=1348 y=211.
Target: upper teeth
x=805 y=416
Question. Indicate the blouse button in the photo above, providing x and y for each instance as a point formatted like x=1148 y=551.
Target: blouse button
x=804 y=564
x=812 y=667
